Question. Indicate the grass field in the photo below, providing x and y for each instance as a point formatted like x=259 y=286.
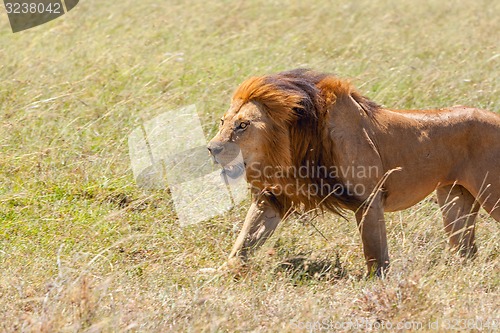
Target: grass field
x=83 y=249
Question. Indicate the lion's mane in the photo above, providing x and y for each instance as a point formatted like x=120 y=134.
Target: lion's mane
x=298 y=103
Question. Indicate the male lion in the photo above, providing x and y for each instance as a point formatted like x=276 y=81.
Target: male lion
x=305 y=137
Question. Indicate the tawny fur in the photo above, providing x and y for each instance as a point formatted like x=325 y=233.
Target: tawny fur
x=302 y=117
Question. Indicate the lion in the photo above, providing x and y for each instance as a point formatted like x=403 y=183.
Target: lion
x=317 y=123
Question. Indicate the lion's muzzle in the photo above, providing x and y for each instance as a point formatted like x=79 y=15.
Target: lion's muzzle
x=215 y=148
x=228 y=155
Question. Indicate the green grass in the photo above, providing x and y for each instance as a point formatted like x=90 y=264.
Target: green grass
x=83 y=249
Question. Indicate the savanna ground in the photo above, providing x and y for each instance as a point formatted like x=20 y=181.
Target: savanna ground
x=82 y=248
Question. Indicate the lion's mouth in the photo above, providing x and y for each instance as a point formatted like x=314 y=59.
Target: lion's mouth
x=233 y=171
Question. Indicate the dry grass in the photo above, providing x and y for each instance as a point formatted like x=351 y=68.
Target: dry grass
x=83 y=249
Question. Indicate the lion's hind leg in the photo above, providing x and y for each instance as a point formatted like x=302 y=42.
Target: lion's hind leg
x=459 y=208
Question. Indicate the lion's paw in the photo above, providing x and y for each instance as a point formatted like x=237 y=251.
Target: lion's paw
x=235 y=267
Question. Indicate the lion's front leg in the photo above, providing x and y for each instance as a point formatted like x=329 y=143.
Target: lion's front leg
x=371 y=225
x=260 y=222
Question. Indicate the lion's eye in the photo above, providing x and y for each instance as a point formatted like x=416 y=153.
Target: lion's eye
x=243 y=125
x=221 y=121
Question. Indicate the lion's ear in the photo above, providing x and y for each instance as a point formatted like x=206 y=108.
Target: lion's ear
x=298 y=110
x=305 y=108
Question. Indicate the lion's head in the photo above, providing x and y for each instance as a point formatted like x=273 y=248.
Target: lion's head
x=279 y=124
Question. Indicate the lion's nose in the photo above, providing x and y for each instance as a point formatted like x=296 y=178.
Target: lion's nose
x=214 y=148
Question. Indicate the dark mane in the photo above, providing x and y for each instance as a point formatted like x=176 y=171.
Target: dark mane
x=299 y=89
x=298 y=102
